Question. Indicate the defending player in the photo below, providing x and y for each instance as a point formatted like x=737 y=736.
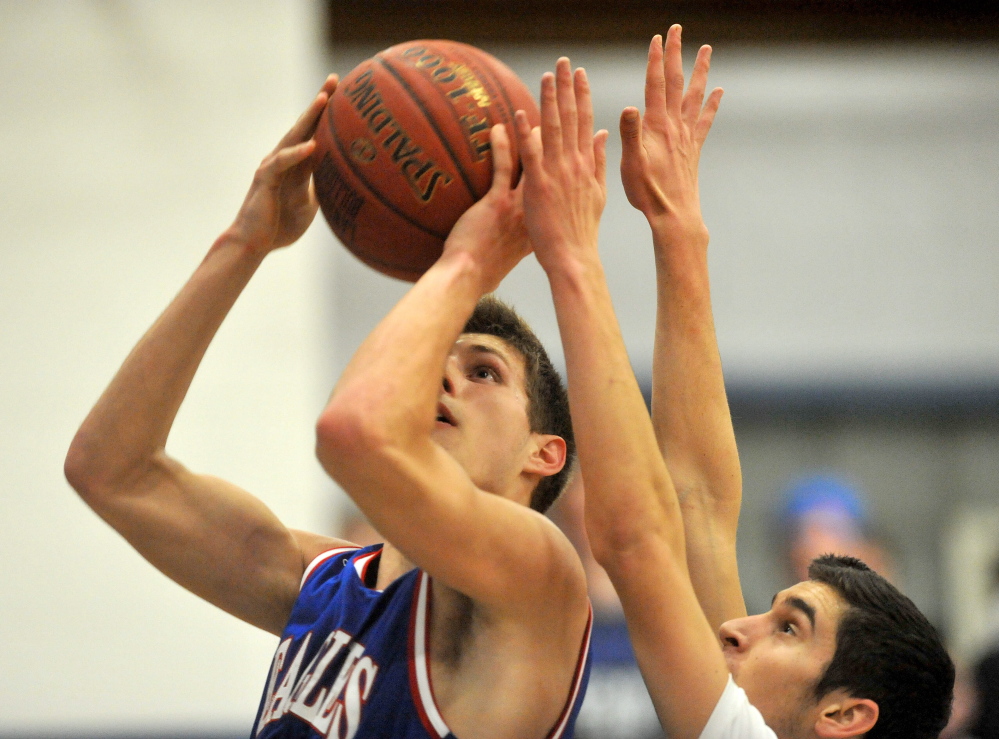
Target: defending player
x=842 y=654
x=474 y=620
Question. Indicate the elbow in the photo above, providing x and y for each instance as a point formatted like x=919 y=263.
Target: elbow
x=611 y=547
x=624 y=536
x=84 y=472
x=75 y=468
x=347 y=436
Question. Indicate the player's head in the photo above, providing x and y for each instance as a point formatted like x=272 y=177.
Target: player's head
x=547 y=401
x=842 y=654
x=886 y=651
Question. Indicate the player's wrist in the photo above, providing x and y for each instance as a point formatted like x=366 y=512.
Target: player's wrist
x=573 y=267
x=464 y=270
x=238 y=246
x=673 y=230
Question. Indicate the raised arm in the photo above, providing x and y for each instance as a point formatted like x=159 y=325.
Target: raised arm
x=210 y=536
x=382 y=435
x=689 y=407
x=632 y=516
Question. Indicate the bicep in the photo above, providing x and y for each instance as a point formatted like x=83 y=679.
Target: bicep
x=213 y=538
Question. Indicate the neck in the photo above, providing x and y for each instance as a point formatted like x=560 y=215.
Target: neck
x=393 y=564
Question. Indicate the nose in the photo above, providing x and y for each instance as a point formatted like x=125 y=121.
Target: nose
x=735 y=634
x=448 y=380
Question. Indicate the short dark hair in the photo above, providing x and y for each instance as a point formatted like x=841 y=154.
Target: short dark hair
x=547 y=400
x=887 y=651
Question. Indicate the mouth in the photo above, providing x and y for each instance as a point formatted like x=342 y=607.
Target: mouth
x=444 y=415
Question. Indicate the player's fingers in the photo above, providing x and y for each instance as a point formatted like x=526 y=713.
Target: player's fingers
x=631 y=135
x=694 y=96
x=673 y=71
x=551 y=127
x=527 y=143
x=306 y=124
x=329 y=86
x=600 y=156
x=707 y=116
x=567 y=111
x=275 y=165
x=584 y=106
x=655 y=83
x=502 y=159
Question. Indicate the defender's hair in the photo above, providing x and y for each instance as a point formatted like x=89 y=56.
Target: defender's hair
x=547 y=400
x=887 y=651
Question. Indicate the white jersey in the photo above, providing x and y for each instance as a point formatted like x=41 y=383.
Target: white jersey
x=735 y=717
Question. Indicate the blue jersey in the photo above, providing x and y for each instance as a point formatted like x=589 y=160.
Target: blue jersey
x=353 y=661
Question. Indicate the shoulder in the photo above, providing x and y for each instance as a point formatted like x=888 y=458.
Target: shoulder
x=316 y=549
x=734 y=717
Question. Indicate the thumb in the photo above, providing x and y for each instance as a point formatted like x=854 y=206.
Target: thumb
x=600 y=155
x=631 y=134
x=502 y=159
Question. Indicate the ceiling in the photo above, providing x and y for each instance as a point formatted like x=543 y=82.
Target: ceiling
x=750 y=21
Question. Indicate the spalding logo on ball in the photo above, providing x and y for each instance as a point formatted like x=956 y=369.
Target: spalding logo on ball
x=403 y=149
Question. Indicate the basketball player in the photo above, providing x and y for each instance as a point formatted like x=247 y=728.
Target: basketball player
x=449 y=429
x=842 y=654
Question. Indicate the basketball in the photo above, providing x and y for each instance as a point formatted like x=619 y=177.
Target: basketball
x=402 y=149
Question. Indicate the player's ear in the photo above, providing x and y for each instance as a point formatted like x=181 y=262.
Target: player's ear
x=844 y=716
x=547 y=456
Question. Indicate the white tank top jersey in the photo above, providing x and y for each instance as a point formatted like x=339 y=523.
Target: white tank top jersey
x=735 y=717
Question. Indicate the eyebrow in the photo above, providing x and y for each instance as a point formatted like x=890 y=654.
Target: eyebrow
x=800 y=605
x=484 y=349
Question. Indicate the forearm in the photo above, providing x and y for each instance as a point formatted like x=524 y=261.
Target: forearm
x=692 y=419
x=130 y=422
x=388 y=394
x=629 y=495
x=689 y=404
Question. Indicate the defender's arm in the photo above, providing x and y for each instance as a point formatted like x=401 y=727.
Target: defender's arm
x=689 y=405
x=210 y=536
x=632 y=516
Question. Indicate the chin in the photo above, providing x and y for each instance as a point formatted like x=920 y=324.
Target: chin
x=444 y=436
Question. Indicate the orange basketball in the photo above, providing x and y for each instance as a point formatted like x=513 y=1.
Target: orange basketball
x=403 y=149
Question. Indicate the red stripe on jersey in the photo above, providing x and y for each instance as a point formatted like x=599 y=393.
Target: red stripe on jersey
x=322 y=557
x=364 y=563
x=419 y=661
x=414 y=687
x=584 y=650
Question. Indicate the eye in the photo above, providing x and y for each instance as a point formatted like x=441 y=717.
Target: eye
x=485 y=372
x=788 y=628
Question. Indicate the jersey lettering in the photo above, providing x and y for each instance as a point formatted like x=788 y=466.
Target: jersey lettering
x=334 y=711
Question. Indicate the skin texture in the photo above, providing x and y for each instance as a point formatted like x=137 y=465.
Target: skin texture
x=670 y=549
x=509 y=596
x=632 y=515
x=778 y=656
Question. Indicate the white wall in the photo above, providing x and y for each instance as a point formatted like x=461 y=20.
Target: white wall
x=130 y=132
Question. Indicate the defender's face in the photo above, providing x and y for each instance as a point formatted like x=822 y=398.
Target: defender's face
x=482 y=416
x=778 y=657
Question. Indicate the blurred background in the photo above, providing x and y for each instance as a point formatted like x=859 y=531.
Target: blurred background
x=851 y=186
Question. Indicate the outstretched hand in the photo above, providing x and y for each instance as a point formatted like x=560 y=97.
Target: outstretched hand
x=281 y=202
x=661 y=151
x=564 y=169
x=491 y=233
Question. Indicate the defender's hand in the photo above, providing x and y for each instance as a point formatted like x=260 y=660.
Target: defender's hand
x=492 y=231
x=661 y=152
x=281 y=202
x=564 y=170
